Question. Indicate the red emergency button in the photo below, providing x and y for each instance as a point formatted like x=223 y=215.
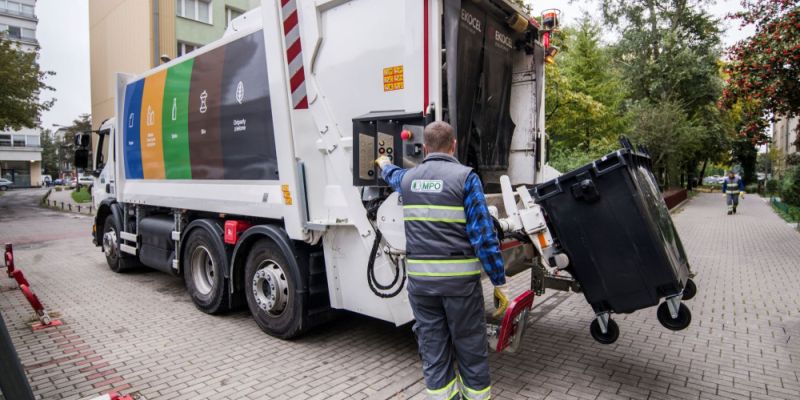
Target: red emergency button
x=406 y=135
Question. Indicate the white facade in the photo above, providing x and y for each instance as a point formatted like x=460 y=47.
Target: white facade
x=20 y=151
x=784 y=137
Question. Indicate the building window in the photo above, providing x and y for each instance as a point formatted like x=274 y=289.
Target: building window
x=186 y=48
x=14 y=32
x=33 y=141
x=231 y=14
x=19 y=141
x=5 y=140
x=198 y=10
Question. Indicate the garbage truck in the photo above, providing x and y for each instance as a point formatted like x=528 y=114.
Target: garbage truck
x=247 y=166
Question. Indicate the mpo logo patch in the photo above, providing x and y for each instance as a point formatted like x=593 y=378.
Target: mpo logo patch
x=426 y=186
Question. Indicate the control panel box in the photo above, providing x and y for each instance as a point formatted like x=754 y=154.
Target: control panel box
x=397 y=136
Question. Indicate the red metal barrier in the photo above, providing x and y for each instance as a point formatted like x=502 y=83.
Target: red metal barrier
x=25 y=287
x=9 y=259
x=20 y=278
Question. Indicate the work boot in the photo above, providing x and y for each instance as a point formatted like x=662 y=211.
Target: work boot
x=730 y=212
x=734 y=210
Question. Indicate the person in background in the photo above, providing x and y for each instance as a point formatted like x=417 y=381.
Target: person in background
x=732 y=189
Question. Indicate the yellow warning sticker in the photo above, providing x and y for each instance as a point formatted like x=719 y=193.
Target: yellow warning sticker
x=393 y=78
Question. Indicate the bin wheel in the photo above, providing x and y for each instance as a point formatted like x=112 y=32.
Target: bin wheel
x=676 y=324
x=611 y=335
x=690 y=290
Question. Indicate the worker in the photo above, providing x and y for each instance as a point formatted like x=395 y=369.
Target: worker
x=449 y=236
x=732 y=189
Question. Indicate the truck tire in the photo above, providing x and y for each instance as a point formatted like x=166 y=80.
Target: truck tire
x=117 y=261
x=274 y=290
x=203 y=272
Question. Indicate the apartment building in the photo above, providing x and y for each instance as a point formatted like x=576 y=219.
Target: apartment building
x=20 y=150
x=785 y=140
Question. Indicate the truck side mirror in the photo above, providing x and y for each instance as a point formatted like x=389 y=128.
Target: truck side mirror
x=81 y=158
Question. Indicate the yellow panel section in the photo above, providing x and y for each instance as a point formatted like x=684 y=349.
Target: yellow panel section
x=151 y=142
x=393 y=78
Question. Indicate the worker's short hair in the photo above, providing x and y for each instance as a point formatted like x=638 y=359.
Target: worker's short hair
x=438 y=136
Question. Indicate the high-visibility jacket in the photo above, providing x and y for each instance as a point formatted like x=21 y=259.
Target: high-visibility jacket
x=732 y=186
x=440 y=258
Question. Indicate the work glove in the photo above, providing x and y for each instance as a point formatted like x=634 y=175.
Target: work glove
x=724 y=194
x=500 y=300
x=383 y=161
x=741 y=194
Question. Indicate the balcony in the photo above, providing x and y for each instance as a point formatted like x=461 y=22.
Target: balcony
x=19 y=14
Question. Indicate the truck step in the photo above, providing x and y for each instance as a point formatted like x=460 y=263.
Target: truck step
x=127 y=249
x=131 y=237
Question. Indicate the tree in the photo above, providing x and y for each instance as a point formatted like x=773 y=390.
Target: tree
x=764 y=68
x=50 y=164
x=585 y=98
x=21 y=84
x=669 y=52
x=669 y=135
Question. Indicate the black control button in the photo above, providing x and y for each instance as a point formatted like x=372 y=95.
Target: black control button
x=370 y=172
x=389 y=150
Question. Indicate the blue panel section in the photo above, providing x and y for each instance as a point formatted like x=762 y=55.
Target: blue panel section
x=131 y=140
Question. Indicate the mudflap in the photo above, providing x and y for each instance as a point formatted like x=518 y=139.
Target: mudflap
x=508 y=335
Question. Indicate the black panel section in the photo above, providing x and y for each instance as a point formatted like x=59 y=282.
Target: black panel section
x=471 y=30
x=492 y=118
x=479 y=46
x=157 y=249
x=204 y=112
x=376 y=134
x=247 y=132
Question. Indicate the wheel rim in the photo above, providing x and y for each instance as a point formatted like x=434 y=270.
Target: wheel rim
x=203 y=270
x=110 y=244
x=270 y=288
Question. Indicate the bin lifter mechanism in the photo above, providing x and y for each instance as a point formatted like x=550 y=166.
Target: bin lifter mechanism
x=530 y=221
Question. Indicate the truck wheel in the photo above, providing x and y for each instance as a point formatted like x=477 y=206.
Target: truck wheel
x=203 y=272
x=273 y=289
x=117 y=261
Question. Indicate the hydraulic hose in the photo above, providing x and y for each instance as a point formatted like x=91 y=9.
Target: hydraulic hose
x=376 y=286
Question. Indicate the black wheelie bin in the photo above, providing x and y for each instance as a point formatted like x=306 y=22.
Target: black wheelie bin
x=611 y=221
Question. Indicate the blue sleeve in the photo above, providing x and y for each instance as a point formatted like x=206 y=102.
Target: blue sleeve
x=725 y=186
x=741 y=185
x=393 y=175
x=480 y=229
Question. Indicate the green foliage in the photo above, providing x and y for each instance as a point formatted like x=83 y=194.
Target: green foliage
x=669 y=52
x=586 y=91
x=772 y=186
x=790 y=187
x=59 y=188
x=793 y=159
x=21 y=84
x=751 y=188
x=81 y=196
x=566 y=159
x=670 y=136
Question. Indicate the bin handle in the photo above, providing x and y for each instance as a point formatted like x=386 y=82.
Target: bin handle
x=608 y=168
x=543 y=194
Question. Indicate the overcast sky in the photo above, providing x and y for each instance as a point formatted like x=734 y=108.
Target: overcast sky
x=63 y=34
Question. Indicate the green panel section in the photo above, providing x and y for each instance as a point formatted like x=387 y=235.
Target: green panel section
x=175 y=119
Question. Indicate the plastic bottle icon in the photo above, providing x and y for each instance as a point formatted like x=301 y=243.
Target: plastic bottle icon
x=174 y=108
x=240 y=92
x=130 y=121
x=203 y=105
x=151 y=116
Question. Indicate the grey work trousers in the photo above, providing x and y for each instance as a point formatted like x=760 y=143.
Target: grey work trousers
x=452 y=329
x=733 y=201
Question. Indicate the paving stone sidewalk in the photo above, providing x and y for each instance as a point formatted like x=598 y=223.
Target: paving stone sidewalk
x=140 y=333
